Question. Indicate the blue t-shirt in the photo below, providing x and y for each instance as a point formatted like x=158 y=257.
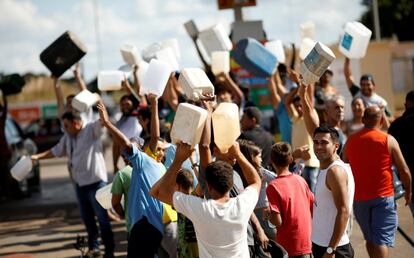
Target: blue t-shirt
x=285 y=124
x=169 y=158
x=145 y=173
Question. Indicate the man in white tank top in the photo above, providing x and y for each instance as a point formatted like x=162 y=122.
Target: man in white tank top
x=334 y=196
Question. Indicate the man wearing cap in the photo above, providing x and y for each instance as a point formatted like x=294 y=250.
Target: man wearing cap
x=251 y=130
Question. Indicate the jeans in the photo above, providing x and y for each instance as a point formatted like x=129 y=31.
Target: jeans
x=310 y=174
x=89 y=208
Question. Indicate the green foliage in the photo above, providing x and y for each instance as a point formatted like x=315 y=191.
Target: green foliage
x=396 y=18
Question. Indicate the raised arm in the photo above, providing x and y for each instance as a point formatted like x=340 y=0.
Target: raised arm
x=204 y=145
x=275 y=98
x=309 y=114
x=403 y=170
x=155 y=123
x=78 y=77
x=337 y=182
x=164 y=188
x=117 y=135
x=59 y=96
x=238 y=95
x=348 y=73
x=289 y=104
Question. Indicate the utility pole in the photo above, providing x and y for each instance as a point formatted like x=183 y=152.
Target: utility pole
x=97 y=34
x=376 y=20
x=238 y=14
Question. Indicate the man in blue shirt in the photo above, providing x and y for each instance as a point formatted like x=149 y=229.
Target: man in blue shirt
x=144 y=212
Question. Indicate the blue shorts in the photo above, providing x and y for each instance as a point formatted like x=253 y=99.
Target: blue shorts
x=378 y=220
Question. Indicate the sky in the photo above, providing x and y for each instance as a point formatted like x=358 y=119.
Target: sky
x=29 y=26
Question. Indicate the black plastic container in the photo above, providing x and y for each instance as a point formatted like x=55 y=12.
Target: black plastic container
x=12 y=84
x=64 y=52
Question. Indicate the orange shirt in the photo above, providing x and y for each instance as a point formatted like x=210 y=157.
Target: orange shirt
x=370 y=160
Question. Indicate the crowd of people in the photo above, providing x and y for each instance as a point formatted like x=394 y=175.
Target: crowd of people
x=301 y=192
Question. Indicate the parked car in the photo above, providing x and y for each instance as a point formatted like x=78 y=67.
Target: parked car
x=45 y=132
x=21 y=145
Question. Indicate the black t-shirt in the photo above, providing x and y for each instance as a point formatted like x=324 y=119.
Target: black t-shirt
x=261 y=138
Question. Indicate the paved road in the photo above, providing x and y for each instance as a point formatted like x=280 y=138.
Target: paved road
x=46 y=225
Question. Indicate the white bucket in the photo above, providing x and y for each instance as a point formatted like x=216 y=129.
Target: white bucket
x=156 y=77
x=355 y=39
x=167 y=55
x=188 y=124
x=316 y=63
x=84 y=100
x=307 y=30
x=110 y=80
x=22 y=168
x=220 y=62
x=215 y=39
x=172 y=43
x=226 y=125
x=104 y=196
x=195 y=83
x=276 y=47
x=130 y=54
x=306 y=46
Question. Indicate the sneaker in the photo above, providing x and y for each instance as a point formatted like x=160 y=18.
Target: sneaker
x=94 y=253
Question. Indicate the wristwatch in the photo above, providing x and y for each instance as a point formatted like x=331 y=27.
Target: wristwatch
x=330 y=250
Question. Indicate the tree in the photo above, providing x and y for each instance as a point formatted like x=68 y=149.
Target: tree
x=396 y=18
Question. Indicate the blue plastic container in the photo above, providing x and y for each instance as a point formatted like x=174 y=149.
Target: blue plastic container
x=254 y=57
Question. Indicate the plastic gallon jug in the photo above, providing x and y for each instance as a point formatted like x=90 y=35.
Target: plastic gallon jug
x=226 y=125
x=12 y=84
x=156 y=77
x=355 y=39
x=172 y=43
x=167 y=55
x=64 y=52
x=276 y=47
x=220 y=62
x=307 y=30
x=195 y=83
x=188 y=124
x=130 y=54
x=22 y=168
x=84 y=100
x=104 y=196
x=142 y=70
x=316 y=63
x=149 y=52
x=306 y=46
x=110 y=80
x=255 y=58
x=215 y=39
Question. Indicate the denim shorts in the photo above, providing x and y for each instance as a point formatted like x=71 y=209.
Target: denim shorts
x=378 y=220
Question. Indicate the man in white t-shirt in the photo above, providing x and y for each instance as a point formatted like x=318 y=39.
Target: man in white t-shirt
x=220 y=222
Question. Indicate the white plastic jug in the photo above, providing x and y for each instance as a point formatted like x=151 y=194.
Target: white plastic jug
x=307 y=30
x=142 y=70
x=215 y=39
x=167 y=55
x=130 y=54
x=226 y=125
x=316 y=63
x=22 y=168
x=306 y=46
x=104 y=196
x=355 y=39
x=156 y=77
x=195 y=83
x=149 y=52
x=84 y=100
x=276 y=47
x=172 y=43
x=188 y=124
x=110 y=80
x=220 y=62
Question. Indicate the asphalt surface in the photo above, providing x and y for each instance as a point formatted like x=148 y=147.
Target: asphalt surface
x=47 y=224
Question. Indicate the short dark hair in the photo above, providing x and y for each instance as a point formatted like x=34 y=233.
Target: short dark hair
x=367 y=77
x=281 y=154
x=219 y=176
x=144 y=113
x=185 y=179
x=71 y=116
x=328 y=129
x=249 y=149
x=410 y=96
x=221 y=88
x=253 y=112
x=130 y=97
